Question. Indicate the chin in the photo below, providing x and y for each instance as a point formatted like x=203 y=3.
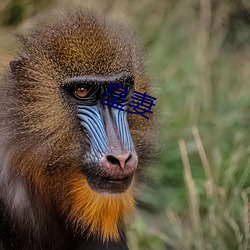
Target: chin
x=100 y=209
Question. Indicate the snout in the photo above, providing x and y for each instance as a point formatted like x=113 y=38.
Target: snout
x=122 y=164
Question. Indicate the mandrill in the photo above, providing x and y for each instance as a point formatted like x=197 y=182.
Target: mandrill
x=68 y=162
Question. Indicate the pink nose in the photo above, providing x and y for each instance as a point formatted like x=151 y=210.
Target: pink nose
x=124 y=163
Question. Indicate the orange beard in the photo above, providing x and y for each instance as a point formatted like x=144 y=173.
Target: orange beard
x=96 y=212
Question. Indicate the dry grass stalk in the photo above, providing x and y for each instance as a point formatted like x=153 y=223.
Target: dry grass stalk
x=192 y=197
x=204 y=160
x=246 y=220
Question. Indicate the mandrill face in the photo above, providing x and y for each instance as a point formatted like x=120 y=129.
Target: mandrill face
x=79 y=156
x=109 y=164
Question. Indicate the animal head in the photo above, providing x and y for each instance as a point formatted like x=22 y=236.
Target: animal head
x=77 y=153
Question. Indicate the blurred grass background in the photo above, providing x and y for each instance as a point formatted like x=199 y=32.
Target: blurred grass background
x=198 y=53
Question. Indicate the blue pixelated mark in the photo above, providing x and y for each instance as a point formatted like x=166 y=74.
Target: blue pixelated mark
x=141 y=103
x=116 y=98
x=116 y=95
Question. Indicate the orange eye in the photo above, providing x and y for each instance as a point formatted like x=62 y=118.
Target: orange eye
x=81 y=92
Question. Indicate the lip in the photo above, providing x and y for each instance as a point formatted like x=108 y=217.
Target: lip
x=117 y=178
x=109 y=184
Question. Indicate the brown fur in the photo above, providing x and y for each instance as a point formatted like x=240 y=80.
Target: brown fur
x=39 y=132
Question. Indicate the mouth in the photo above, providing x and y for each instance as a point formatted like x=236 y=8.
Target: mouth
x=103 y=183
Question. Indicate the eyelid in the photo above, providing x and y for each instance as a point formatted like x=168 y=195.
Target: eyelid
x=78 y=84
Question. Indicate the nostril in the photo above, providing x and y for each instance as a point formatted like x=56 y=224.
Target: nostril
x=124 y=163
x=127 y=160
x=113 y=160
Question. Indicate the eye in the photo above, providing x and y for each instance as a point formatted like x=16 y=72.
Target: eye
x=81 y=92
